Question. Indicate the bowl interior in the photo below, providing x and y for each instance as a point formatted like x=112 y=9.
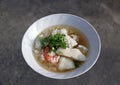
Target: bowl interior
x=61 y=19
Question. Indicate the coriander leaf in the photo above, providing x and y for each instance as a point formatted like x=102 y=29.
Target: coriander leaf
x=54 y=41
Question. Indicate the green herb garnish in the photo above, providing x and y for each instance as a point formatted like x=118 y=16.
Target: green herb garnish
x=77 y=64
x=53 y=41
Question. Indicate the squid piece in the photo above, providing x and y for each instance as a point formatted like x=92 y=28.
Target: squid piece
x=65 y=64
x=73 y=53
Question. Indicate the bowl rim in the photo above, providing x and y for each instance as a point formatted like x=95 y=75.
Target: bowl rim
x=97 y=34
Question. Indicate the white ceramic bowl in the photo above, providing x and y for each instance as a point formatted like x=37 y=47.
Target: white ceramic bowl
x=61 y=19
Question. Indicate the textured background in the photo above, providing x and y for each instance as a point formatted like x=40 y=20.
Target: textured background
x=17 y=15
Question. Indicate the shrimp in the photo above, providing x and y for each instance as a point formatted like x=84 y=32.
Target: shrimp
x=53 y=59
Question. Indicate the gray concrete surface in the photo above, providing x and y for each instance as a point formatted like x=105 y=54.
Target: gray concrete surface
x=17 y=15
